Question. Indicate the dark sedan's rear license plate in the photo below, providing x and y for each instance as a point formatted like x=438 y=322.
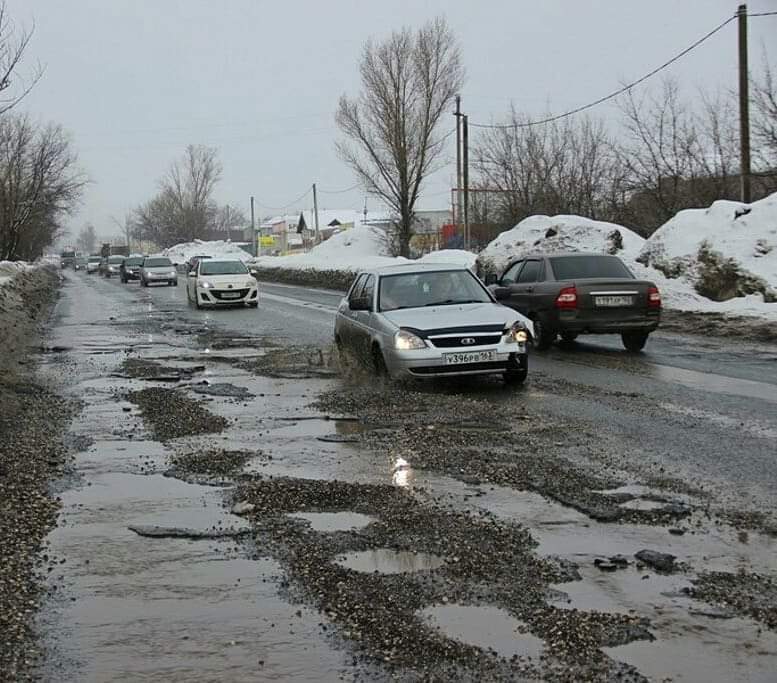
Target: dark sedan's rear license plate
x=613 y=301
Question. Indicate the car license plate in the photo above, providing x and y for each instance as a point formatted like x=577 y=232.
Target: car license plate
x=469 y=357
x=613 y=301
x=231 y=295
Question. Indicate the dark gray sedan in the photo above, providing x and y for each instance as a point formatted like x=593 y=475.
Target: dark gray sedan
x=423 y=321
x=573 y=294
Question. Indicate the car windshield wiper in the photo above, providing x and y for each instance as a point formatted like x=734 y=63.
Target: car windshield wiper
x=451 y=302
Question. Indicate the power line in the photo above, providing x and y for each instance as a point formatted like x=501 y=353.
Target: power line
x=347 y=189
x=283 y=208
x=618 y=92
x=762 y=14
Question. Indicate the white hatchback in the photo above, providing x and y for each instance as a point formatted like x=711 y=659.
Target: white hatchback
x=217 y=282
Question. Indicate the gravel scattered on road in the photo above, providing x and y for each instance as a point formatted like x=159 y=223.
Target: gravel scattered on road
x=747 y=594
x=486 y=562
x=32 y=454
x=172 y=415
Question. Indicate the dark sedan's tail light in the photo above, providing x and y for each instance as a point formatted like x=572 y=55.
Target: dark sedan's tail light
x=567 y=298
x=654 y=298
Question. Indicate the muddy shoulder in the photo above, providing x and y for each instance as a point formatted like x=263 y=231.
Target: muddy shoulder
x=31 y=455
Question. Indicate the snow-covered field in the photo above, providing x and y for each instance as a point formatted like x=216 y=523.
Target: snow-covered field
x=181 y=253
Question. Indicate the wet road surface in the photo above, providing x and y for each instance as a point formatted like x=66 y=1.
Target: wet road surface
x=126 y=607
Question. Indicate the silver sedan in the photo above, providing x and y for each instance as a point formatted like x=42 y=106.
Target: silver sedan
x=431 y=320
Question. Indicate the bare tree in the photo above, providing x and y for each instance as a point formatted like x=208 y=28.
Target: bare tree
x=189 y=185
x=87 y=239
x=40 y=184
x=13 y=46
x=408 y=82
x=183 y=209
x=561 y=167
x=764 y=98
x=227 y=218
x=678 y=157
x=157 y=220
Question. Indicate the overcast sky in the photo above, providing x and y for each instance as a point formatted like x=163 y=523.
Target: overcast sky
x=135 y=81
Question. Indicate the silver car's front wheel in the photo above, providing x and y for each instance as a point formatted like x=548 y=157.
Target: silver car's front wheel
x=379 y=362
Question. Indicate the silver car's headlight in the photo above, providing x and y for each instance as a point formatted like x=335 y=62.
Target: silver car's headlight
x=205 y=285
x=406 y=341
x=250 y=283
x=517 y=334
x=172 y=273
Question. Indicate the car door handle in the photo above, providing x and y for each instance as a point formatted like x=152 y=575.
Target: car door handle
x=529 y=290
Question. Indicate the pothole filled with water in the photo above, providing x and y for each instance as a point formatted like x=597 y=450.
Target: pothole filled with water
x=489 y=628
x=333 y=521
x=385 y=561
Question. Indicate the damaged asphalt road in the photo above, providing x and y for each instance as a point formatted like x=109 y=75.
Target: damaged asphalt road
x=234 y=506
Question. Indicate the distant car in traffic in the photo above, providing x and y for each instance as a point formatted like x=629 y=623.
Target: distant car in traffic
x=221 y=282
x=111 y=265
x=433 y=320
x=158 y=269
x=575 y=293
x=130 y=268
x=191 y=264
x=79 y=263
x=67 y=259
x=93 y=264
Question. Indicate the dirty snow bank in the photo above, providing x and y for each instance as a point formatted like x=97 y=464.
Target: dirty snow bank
x=559 y=233
x=575 y=233
x=181 y=253
x=727 y=250
x=10 y=269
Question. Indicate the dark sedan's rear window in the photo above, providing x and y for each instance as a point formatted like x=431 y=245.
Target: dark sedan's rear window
x=582 y=267
x=133 y=261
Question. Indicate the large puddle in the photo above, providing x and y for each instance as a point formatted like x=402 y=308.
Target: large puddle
x=486 y=627
x=728 y=651
x=326 y=522
x=386 y=561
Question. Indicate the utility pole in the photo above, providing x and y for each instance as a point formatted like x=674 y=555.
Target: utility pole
x=254 y=236
x=457 y=210
x=315 y=211
x=465 y=174
x=744 y=108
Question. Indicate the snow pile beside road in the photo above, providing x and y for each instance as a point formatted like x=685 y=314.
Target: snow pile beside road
x=349 y=250
x=10 y=269
x=354 y=250
x=181 y=253
x=575 y=233
x=727 y=250
x=559 y=233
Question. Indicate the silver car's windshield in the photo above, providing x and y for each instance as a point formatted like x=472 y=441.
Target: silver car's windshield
x=438 y=288
x=157 y=263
